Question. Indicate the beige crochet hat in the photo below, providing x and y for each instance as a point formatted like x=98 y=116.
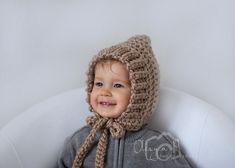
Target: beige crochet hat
x=137 y=55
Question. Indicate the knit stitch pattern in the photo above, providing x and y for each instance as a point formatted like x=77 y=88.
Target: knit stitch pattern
x=137 y=55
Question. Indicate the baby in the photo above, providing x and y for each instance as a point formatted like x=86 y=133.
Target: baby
x=123 y=90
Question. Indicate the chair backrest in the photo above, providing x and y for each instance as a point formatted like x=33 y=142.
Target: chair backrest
x=206 y=134
x=35 y=138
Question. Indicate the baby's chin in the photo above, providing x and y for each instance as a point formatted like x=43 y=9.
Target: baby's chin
x=108 y=114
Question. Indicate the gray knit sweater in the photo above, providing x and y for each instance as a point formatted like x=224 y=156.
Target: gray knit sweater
x=144 y=148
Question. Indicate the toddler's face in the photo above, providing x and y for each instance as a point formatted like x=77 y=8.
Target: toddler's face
x=111 y=90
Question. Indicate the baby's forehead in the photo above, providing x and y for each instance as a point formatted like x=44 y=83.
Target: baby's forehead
x=116 y=68
x=108 y=63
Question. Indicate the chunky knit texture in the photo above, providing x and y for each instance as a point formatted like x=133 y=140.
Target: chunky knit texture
x=137 y=55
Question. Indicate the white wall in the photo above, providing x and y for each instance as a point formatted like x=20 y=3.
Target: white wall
x=45 y=46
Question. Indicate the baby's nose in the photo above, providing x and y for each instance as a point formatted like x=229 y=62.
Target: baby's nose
x=105 y=92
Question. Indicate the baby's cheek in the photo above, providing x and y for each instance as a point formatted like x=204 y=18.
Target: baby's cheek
x=124 y=103
x=93 y=101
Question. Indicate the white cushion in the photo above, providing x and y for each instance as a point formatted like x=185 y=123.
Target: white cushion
x=205 y=133
x=35 y=138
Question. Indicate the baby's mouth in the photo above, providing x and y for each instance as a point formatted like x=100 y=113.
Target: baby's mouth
x=107 y=104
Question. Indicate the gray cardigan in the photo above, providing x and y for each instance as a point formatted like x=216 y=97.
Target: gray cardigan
x=139 y=149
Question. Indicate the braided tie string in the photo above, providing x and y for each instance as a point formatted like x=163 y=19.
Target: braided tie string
x=86 y=146
x=105 y=126
x=115 y=128
x=101 y=149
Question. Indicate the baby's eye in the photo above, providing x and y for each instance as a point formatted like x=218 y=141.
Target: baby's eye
x=117 y=85
x=98 y=84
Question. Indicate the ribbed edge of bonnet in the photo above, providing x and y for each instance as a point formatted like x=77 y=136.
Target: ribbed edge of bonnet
x=137 y=54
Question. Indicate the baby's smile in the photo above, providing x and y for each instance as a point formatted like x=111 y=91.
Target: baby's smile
x=107 y=103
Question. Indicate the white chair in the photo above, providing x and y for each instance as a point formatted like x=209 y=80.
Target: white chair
x=35 y=138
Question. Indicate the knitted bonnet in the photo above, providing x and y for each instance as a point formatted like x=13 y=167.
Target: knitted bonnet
x=137 y=55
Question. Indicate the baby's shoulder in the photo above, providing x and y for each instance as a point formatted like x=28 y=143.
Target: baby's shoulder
x=83 y=130
x=80 y=134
